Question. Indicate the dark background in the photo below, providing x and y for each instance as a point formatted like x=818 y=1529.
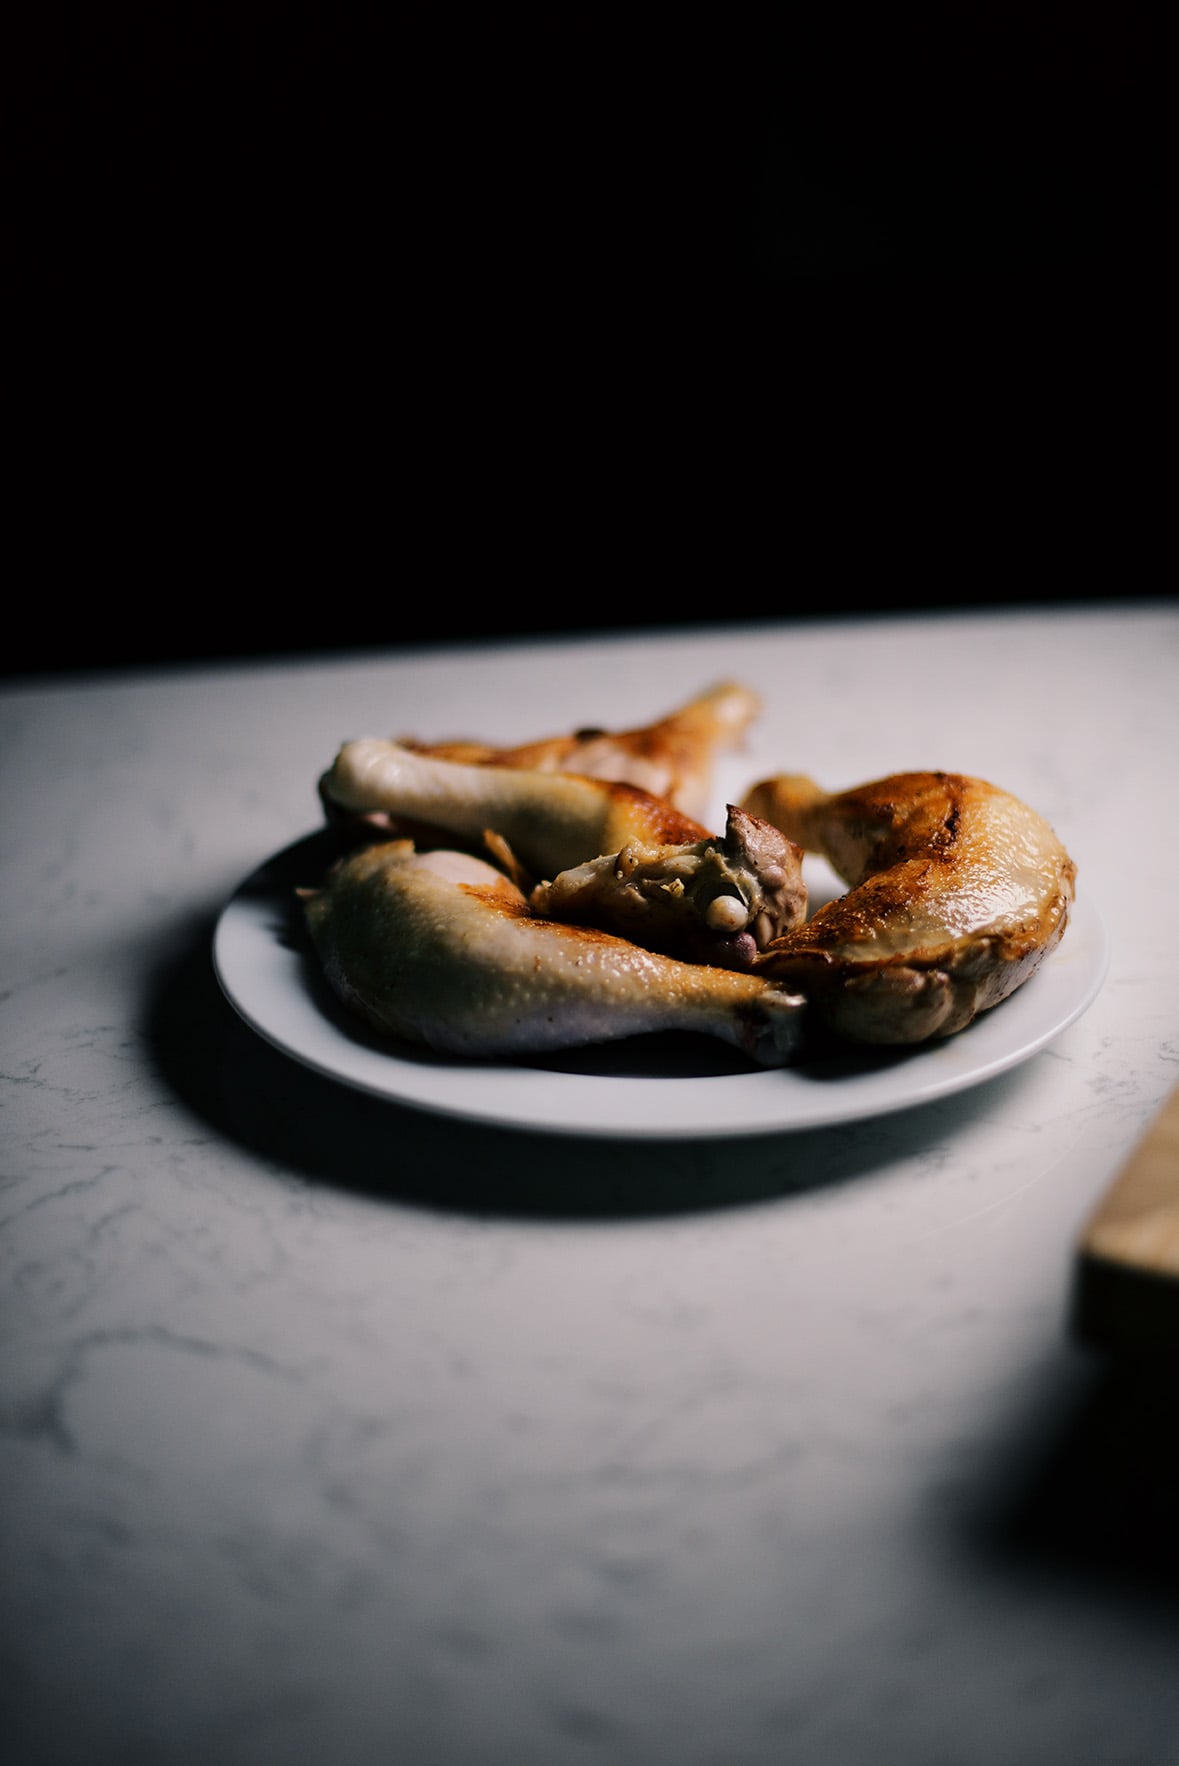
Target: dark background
x=330 y=328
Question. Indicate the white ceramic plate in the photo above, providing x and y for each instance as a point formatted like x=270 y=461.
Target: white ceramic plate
x=675 y=1086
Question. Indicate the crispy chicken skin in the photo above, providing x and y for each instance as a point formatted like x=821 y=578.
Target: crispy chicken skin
x=672 y=758
x=957 y=893
x=442 y=950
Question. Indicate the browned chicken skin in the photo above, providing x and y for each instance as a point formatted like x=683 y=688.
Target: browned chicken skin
x=958 y=892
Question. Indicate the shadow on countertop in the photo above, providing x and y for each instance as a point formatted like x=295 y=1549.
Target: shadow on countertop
x=324 y=1132
x=1078 y=1491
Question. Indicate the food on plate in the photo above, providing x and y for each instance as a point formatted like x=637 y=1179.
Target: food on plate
x=958 y=891
x=672 y=758
x=440 y=948
x=501 y=901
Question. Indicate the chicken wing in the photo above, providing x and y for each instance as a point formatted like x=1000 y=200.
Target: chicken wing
x=958 y=892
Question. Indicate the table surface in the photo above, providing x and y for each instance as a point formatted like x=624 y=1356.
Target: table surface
x=335 y=1431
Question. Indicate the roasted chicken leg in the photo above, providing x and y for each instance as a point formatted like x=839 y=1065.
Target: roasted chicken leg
x=441 y=949
x=958 y=892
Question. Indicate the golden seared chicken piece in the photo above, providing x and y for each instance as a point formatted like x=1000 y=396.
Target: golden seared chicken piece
x=550 y=821
x=441 y=949
x=715 y=901
x=672 y=758
x=958 y=892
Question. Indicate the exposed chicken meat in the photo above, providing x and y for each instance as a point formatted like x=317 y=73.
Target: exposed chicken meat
x=958 y=892
x=716 y=901
x=440 y=949
x=672 y=758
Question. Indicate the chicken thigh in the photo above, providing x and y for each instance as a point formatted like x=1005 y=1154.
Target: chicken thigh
x=958 y=892
x=442 y=950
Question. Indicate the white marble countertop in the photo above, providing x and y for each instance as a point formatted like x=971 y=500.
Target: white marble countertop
x=340 y=1434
